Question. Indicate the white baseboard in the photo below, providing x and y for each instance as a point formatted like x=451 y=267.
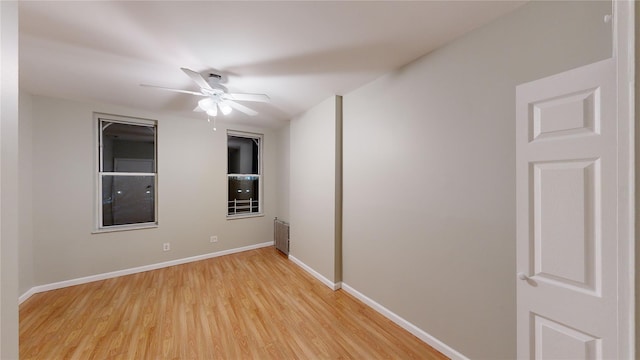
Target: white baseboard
x=27 y=295
x=419 y=333
x=317 y=275
x=113 y=274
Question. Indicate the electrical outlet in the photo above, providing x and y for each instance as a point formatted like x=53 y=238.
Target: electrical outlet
x=166 y=247
x=213 y=239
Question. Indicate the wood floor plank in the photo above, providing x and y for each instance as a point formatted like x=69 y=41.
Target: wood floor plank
x=250 y=305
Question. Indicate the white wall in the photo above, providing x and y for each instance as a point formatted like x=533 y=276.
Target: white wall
x=192 y=194
x=313 y=191
x=283 y=154
x=25 y=204
x=9 y=179
x=429 y=175
x=637 y=177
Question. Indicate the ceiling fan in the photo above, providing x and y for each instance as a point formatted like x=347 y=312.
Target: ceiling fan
x=215 y=95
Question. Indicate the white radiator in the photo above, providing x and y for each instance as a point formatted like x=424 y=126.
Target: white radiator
x=281 y=235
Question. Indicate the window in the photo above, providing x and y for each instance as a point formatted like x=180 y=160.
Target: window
x=243 y=174
x=126 y=172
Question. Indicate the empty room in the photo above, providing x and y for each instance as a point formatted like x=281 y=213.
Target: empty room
x=317 y=179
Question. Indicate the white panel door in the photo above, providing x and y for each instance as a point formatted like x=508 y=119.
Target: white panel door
x=566 y=164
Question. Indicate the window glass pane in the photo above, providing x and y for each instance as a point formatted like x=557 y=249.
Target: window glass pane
x=127 y=200
x=243 y=194
x=242 y=155
x=128 y=148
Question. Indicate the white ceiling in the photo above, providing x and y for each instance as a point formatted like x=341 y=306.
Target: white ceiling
x=299 y=53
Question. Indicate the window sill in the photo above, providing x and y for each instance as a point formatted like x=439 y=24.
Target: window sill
x=125 y=228
x=244 y=216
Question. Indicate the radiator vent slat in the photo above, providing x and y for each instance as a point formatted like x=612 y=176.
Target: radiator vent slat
x=281 y=235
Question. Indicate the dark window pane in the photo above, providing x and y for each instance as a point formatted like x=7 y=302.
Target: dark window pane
x=127 y=200
x=128 y=148
x=243 y=194
x=242 y=155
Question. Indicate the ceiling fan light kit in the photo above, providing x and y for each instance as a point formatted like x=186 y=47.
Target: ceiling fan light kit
x=216 y=96
x=211 y=106
x=225 y=108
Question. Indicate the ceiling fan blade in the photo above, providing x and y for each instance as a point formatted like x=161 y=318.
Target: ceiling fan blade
x=197 y=78
x=198 y=109
x=248 y=97
x=173 y=90
x=241 y=108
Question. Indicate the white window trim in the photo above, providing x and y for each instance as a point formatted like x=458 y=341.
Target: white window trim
x=260 y=212
x=97 y=119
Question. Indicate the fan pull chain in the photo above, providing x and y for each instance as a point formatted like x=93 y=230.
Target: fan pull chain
x=214 y=121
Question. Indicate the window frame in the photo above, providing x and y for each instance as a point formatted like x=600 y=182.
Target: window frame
x=249 y=135
x=99 y=118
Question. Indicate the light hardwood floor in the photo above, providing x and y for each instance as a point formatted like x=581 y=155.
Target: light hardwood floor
x=249 y=305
